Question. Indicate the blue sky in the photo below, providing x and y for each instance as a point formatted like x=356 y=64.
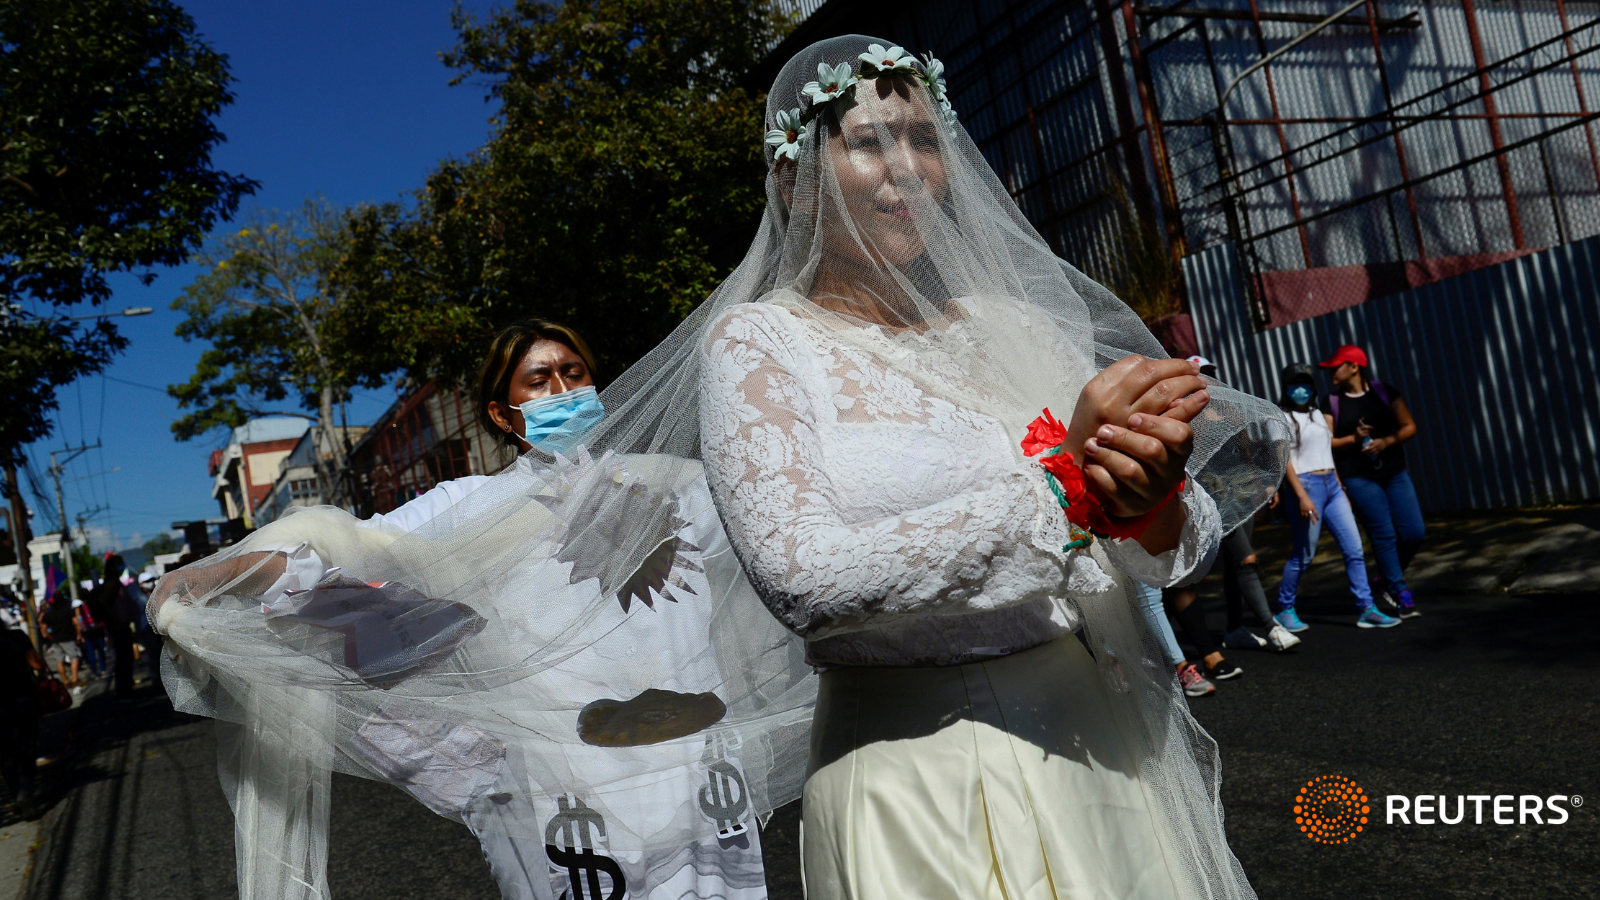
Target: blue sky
x=347 y=101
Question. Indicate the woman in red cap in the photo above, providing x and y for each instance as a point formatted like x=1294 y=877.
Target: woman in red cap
x=1370 y=422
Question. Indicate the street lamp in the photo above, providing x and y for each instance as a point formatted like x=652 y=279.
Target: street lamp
x=93 y=474
x=130 y=311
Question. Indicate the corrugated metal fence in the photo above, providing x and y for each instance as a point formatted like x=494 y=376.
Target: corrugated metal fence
x=1499 y=367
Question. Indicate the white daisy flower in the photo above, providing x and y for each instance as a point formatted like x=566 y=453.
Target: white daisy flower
x=892 y=59
x=831 y=84
x=933 y=76
x=788 y=135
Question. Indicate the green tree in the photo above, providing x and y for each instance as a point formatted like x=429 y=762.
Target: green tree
x=162 y=543
x=621 y=182
x=86 y=563
x=107 y=123
x=265 y=305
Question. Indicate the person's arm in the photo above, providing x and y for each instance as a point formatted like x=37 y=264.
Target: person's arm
x=198 y=580
x=819 y=574
x=1350 y=440
x=424 y=508
x=1130 y=432
x=1363 y=430
x=1406 y=431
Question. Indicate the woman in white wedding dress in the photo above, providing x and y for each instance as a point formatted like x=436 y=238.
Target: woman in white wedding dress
x=863 y=429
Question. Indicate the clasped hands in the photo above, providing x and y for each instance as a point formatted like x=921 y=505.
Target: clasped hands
x=1130 y=431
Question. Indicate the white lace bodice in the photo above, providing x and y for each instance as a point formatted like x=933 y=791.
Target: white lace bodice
x=884 y=524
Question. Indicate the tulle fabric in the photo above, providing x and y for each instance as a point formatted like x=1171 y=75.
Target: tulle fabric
x=607 y=573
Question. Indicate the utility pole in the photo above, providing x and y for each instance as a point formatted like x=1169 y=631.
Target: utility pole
x=19 y=538
x=56 y=470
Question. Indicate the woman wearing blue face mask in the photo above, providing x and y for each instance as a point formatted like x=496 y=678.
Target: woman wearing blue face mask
x=535 y=365
x=537 y=387
x=536 y=390
x=1321 y=497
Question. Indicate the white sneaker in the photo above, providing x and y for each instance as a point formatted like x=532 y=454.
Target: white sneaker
x=1281 y=638
x=1242 y=638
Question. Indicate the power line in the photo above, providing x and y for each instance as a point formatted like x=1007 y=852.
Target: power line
x=83 y=431
x=42 y=505
x=148 y=387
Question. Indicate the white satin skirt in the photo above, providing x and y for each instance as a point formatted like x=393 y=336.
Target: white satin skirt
x=1002 y=779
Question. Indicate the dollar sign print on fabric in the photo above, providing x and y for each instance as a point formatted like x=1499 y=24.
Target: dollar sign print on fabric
x=724 y=799
x=571 y=848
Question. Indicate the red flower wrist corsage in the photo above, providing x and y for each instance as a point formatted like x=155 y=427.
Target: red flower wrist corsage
x=1083 y=508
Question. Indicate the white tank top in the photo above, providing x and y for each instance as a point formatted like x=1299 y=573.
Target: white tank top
x=1314 y=449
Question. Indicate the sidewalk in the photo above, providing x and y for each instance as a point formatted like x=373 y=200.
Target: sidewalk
x=18 y=839
x=16 y=851
x=1508 y=552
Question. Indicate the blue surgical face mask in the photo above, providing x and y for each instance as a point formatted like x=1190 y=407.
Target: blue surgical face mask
x=1300 y=394
x=557 y=423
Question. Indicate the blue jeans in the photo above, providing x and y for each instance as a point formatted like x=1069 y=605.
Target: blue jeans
x=1388 y=510
x=1333 y=507
x=1149 y=600
x=94 y=652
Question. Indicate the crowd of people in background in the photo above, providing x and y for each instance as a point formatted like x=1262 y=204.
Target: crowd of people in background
x=99 y=635
x=1346 y=466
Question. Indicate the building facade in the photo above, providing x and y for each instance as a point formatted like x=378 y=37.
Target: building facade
x=243 y=472
x=298 y=483
x=428 y=436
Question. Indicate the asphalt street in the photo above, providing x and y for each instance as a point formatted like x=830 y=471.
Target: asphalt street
x=1492 y=691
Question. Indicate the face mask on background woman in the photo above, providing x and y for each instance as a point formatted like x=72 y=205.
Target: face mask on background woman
x=558 y=422
x=1300 y=394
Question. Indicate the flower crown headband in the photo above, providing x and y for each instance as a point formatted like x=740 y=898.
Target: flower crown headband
x=834 y=82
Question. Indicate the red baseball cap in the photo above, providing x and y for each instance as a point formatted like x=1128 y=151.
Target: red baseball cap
x=1349 y=353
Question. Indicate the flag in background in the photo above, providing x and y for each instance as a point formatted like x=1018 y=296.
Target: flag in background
x=53 y=578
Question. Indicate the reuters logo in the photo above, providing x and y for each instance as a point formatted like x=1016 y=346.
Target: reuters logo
x=1331 y=809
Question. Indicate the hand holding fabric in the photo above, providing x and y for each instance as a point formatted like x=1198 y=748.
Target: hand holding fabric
x=194 y=583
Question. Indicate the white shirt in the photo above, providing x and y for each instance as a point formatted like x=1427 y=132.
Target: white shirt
x=424 y=508
x=1311 y=443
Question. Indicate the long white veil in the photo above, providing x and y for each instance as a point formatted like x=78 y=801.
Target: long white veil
x=579 y=629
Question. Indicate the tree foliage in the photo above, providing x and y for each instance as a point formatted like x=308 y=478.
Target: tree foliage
x=626 y=155
x=37 y=356
x=107 y=123
x=265 y=305
x=162 y=543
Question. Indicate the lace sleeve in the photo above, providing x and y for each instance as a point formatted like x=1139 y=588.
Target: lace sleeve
x=1185 y=563
x=819 y=574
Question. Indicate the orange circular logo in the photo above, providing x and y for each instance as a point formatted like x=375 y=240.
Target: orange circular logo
x=1331 y=809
